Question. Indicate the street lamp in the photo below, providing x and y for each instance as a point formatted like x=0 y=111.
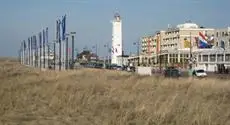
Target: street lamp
x=107 y=52
x=67 y=52
x=76 y=51
x=190 y=51
x=95 y=47
x=72 y=60
x=54 y=53
x=138 y=53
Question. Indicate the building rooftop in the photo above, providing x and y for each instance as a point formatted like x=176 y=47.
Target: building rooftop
x=188 y=25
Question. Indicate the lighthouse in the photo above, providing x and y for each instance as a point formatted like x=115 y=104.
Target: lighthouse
x=116 y=49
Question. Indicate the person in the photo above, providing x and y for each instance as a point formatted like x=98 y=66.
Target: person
x=190 y=72
x=193 y=73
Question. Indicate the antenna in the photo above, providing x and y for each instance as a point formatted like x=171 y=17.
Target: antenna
x=168 y=26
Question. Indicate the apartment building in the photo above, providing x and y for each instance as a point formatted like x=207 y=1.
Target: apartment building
x=179 y=37
x=171 y=46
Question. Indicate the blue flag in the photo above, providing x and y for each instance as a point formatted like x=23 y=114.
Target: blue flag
x=44 y=37
x=34 y=46
x=35 y=43
x=47 y=35
x=59 y=30
x=40 y=39
x=57 y=23
x=31 y=42
x=28 y=47
x=24 y=44
x=63 y=24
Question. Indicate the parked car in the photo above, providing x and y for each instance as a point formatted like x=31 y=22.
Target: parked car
x=172 y=72
x=199 y=73
x=119 y=68
x=131 y=68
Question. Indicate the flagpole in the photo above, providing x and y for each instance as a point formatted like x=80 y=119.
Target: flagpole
x=27 y=53
x=44 y=53
x=190 y=51
x=23 y=53
x=34 y=60
x=36 y=51
x=40 y=49
x=32 y=50
x=31 y=55
x=59 y=41
x=72 y=63
x=47 y=47
x=67 y=54
x=54 y=54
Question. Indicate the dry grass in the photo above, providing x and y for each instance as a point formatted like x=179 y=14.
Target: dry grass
x=99 y=97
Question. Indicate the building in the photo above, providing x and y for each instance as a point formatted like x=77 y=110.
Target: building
x=122 y=60
x=222 y=37
x=116 y=49
x=178 y=43
x=171 y=46
x=209 y=59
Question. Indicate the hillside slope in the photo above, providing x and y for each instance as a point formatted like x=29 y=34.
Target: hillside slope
x=29 y=96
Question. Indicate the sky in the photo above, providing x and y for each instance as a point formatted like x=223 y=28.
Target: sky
x=91 y=19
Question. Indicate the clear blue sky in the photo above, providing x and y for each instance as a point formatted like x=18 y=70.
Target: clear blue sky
x=21 y=19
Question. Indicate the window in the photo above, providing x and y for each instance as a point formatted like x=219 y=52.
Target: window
x=216 y=34
x=222 y=34
x=199 y=58
x=205 y=58
x=212 y=58
x=229 y=42
x=227 y=57
x=181 y=60
x=200 y=71
x=220 y=57
x=217 y=44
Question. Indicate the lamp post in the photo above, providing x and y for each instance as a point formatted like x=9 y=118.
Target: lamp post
x=95 y=47
x=72 y=60
x=138 y=53
x=107 y=52
x=76 y=52
x=190 y=50
x=67 y=53
x=122 y=54
x=54 y=53
x=48 y=53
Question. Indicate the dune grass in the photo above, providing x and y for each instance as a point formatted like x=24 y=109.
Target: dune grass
x=29 y=96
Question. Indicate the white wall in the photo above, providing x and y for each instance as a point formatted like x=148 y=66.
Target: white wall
x=207 y=68
x=144 y=70
x=119 y=61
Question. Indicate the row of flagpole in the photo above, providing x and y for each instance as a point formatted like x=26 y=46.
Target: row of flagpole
x=32 y=52
x=39 y=53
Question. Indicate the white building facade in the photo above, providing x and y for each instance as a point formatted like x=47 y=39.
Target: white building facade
x=222 y=37
x=116 y=49
x=209 y=59
x=122 y=60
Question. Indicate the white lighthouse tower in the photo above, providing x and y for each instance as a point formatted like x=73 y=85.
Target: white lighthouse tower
x=116 y=49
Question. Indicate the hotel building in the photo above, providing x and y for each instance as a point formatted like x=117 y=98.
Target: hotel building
x=171 y=46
